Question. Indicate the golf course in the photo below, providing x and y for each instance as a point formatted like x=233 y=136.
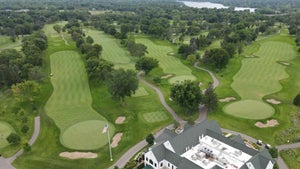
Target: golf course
x=260 y=75
x=70 y=104
x=5 y=130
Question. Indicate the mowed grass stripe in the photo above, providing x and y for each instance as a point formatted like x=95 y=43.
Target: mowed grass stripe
x=169 y=64
x=5 y=130
x=112 y=51
x=70 y=103
x=260 y=76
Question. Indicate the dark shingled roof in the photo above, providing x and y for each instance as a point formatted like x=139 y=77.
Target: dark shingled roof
x=190 y=137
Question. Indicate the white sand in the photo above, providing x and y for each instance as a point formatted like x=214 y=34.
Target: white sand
x=273 y=101
x=270 y=123
x=77 y=155
x=166 y=76
x=120 y=120
x=227 y=99
x=116 y=140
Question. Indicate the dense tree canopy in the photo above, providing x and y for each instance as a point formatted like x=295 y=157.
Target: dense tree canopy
x=218 y=58
x=26 y=91
x=146 y=64
x=123 y=83
x=187 y=94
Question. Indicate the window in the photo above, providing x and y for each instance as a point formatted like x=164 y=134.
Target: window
x=168 y=164
x=151 y=162
x=172 y=167
x=146 y=158
x=161 y=164
x=154 y=164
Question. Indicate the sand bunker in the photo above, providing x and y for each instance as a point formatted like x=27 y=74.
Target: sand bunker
x=227 y=99
x=77 y=155
x=116 y=140
x=273 y=101
x=270 y=123
x=120 y=120
x=200 y=84
x=166 y=76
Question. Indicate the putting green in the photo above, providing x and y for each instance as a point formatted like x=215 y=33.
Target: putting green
x=140 y=92
x=157 y=116
x=5 y=130
x=250 y=109
x=181 y=78
x=78 y=135
x=70 y=103
x=259 y=77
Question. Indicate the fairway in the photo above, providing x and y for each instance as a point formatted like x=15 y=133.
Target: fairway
x=5 y=130
x=169 y=64
x=157 y=116
x=70 y=103
x=112 y=51
x=259 y=77
x=250 y=109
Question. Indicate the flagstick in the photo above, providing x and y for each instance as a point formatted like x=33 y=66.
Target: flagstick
x=109 y=143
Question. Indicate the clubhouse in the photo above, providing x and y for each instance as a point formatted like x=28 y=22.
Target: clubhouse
x=203 y=146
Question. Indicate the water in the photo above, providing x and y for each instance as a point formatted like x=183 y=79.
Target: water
x=213 y=5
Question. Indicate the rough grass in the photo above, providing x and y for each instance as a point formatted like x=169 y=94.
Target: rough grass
x=70 y=102
x=259 y=77
x=5 y=130
x=140 y=92
x=169 y=64
x=157 y=116
x=112 y=51
x=250 y=109
x=291 y=157
x=6 y=43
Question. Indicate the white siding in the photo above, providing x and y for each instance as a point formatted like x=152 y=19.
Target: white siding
x=168 y=146
x=150 y=156
x=270 y=165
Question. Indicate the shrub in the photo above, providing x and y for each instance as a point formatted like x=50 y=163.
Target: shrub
x=150 y=139
x=297 y=100
x=25 y=129
x=27 y=147
x=13 y=138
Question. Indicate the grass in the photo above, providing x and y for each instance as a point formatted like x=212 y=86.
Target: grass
x=112 y=51
x=259 y=77
x=291 y=157
x=169 y=64
x=140 y=92
x=5 y=130
x=69 y=104
x=153 y=117
x=6 y=43
x=250 y=109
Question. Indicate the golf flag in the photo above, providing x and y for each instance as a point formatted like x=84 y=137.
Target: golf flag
x=105 y=129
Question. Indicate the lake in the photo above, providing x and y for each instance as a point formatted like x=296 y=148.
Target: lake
x=213 y=5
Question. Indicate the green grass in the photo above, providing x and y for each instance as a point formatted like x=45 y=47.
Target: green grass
x=5 y=130
x=250 y=109
x=153 y=117
x=6 y=43
x=69 y=104
x=112 y=51
x=291 y=157
x=259 y=77
x=169 y=64
x=140 y=92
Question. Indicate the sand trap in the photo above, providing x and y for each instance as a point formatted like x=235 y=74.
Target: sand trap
x=116 y=140
x=77 y=155
x=120 y=120
x=227 y=99
x=285 y=63
x=273 y=101
x=200 y=84
x=270 y=123
x=170 y=99
x=166 y=76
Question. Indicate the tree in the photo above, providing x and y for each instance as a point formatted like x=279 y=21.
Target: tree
x=25 y=129
x=150 y=139
x=274 y=152
x=218 y=58
x=297 y=100
x=26 y=91
x=187 y=94
x=210 y=98
x=191 y=59
x=105 y=69
x=57 y=28
x=13 y=138
x=27 y=147
x=123 y=83
x=137 y=49
x=89 y=40
x=146 y=64
x=35 y=73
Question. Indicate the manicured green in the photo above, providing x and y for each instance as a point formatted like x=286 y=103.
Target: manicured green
x=157 y=116
x=258 y=77
x=112 y=51
x=169 y=64
x=70 y=102
x=5 y=130
x=140 y=92
x=250 y=109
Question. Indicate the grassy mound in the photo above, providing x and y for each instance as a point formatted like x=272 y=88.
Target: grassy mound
x=157 y=116
x=85 y=135
x=250 y=109
x=70 y=102
x=140 y=92
x=5 y=130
